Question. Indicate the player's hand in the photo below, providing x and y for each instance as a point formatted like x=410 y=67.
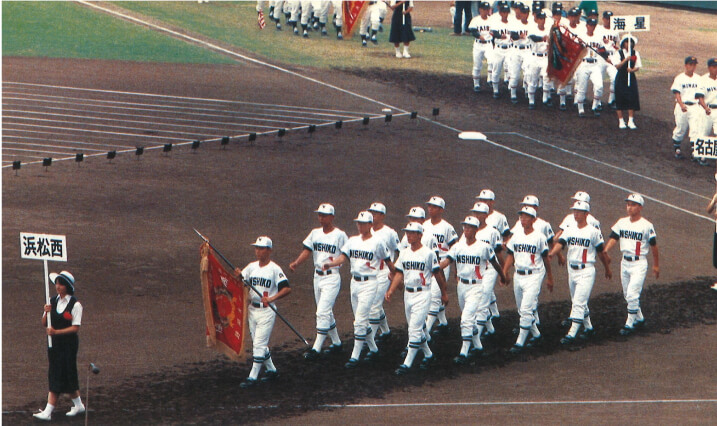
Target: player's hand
x=237 y=272
x=388 y=296
x=709 y=111
x=292 y=266
x=325 y=267
x=508 y=280
x=561 y=259
x=550 y=284
x=656 y=270
x=265 y=301
x=444 y=299
x=683 y=107
x=51 y=331
x=608 y=273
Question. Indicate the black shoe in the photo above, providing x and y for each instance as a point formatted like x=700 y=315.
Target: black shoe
x=404 y=353
x=460 y=360
x=566 y=322
x=599 y=107
x=581 y=114
x=476 y=89
x=334 y=349
x=426 y=362
x=549 y=103
x=372 y=356
x=402 y=370
x=531 y=106
x=626 y=331
x=514 y=100
x=248 y=383
x=353 y=363
x=515 y=350
x=613 y=105
x=516 y=331
x=534 y=341
x=678 y=154
x=496 y=95
x=311 y=355
x=639 y=324
x=383 y=336
x=596 y=113
x=563 y=107
x=270 y=376
x=476 y=353
x=441 y=330
x=567 y=340
x=586 y=334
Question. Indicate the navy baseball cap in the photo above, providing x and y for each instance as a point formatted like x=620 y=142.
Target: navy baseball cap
x=557 y=5
x=525 y=8
x=484 y=5
x=504 y=8
x=557 y=11
x=607 y=14
x=712 y=62
x=574 y=12
x=541 y=14
x=690 y=60
x=593 y=12
x=591 y=21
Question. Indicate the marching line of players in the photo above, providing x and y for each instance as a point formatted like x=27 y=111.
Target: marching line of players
x=487 y=251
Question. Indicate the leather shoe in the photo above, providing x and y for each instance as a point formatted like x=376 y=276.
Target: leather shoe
x=353 y=363
x=334 y=349
x=426 y=362
x=270 y=376
x=402 y=370
x=248 y=383
x=567 y=340
x=311 y=355
x=515 y=350
x=626 y=331
x=460 y=360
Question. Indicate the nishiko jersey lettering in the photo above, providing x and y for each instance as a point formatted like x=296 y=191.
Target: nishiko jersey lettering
x=583 y=244
x=418 y=267
x=365 y=255
x=325 y=247
x=528 y=250
x=635 y=237
x=445 y=235
x=471 y=260
x=267 y=279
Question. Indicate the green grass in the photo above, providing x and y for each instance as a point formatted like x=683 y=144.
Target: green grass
x=67 y=30
x=236 y=23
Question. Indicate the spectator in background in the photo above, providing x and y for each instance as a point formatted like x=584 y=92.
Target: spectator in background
x=627 y=61
x=460 y=25
x=401 y=27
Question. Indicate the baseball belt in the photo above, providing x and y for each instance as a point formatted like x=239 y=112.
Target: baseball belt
x=540 y=54
x=465 y=281
x=590 y=60
x=258 y=305
x=521 y=47
x=481 y=41
x=414 y=290
x=360 y=278
x=322 y=273
x=689 y=103
x=631 y=258
x=712 y=105
x=578 y=266
x=505 y=46
x=525 y=271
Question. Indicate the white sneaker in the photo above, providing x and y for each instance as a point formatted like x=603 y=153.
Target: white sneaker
x=42 y=416
x=406 y=55
x=622 y=125
x=714 y=286
x=399 y=55
x=75 y=411
x=631 y=125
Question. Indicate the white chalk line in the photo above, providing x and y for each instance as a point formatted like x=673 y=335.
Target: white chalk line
x=7 y=137
x=235 y=54
x=105 y=126
x=5 y=143
x=585 y=157
x=97 y=131
x=296 y=107
x=519 y=403
x=585 y=175
x=109 y=138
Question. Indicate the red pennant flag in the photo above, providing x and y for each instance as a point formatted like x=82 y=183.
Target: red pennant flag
x=565 y=53
x=352 y=11
x=262 y=23
x=225 y=306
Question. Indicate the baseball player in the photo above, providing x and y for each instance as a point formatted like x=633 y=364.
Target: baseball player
x=591 y=68
x=584 y=243
x=519 y=30
x=610 y=39
x=500 y=30
x=489 y=235
x=324 y=244
x=569 y=220
x=637 y=239
x=527 y=250
x=471 y=257
x=371 y=21
x=366 y=253
x=446 y=236
x=377 y=316
x=498 y=221
x=338 y=18
x=479 y=27
x=418 y=215
x=542 y=227
x=574 y=26
x=687 y=90
x=709 y=101
x=417 y=269
x=268 y=278
x=537 y=63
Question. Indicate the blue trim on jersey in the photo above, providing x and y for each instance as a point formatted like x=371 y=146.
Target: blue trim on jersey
x=562 y=242
x=308 y=248
x=653 y=241
x=283 y=284
x=436 y=269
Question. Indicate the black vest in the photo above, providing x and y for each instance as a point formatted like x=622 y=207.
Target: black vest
x=64 y=319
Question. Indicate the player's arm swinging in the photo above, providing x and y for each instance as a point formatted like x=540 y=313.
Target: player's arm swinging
x=441 y=280
x=655 y=259
x=396 y=284
x=509 y=259
x=605 y=259
x=496 y=264
x=548 y=271
x=305 y=253
x=336 y=262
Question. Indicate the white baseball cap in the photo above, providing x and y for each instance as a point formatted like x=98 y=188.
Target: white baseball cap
x=486 y=194
x=472 y=221
x=364 y=217
x=582 y=196
x=529 y=211
x=581 y=205
x=263 y=241
x=437 y=201
x=66 y=278
x=377 y=208
x=531 y=200
x=417 y=212
x=414 y=227
x=480 y=208
x=326 y=208
x=636 y=198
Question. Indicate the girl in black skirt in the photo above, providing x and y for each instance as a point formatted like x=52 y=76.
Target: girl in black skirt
x=401 y=28
x=627 y=61
x=65 y=318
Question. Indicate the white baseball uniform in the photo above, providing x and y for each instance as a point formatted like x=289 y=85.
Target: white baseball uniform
x=610 y=39
x=521 y=51
x=268 y=280
x=498 y=221
x=582 y=245
x=472 y=262
x=591 y=69
x=501 y=51
x=528 y=252
x=418 y=268
x=446 y=236
x=635 y=241
x=537 y=64
x=709 y=89
x=689 y=89
x=325 y=248
x=569 y=220
x=377 y=314
x=482 y=46
x=366 y=257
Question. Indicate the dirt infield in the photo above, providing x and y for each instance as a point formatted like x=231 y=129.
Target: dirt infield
x=131 y=246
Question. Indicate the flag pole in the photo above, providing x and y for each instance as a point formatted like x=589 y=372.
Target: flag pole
x=253 y=288
x=629 y=50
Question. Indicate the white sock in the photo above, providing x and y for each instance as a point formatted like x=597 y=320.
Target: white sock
x=639 y=310
x=370 y=341
x=630 y=320
x=595 y=103
x=522 y=337
x=546 y=93
x=531 y=97
x=426 y=350
x=49 y=408
x=398 y=50
x=494 y=308
x=410 y=356
x=269 y=364
x=358 y=345
x=489 y=326
x=405 y=50
x=78 y=402
x=563 y=99
x=429 y=323
x=631 y=121
x=587 y=323
x=574 y=329
x=537 y=317
x=334 y=335
x=581 y=108
x=465 y=347
x=255 y=370
x=513 y=92
x=476 y=342
x=611 y=99
x=476 y=82
x=319 y=342
x=534 y=330
x=442 y=320
x=480 y=328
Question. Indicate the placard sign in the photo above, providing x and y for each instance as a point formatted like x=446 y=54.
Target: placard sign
x=630 y=23
x=705 y=148
x=43 y=247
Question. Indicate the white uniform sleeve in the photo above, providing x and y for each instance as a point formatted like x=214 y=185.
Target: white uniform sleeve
x=308 y=242
x=77 y=314
x=676 y=85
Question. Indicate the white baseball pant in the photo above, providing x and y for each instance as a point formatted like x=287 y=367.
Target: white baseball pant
x=515 y=66
x=481 y=50
x=580 y=282
x=339 y=12
x=470 y=298
x=633 y=275
x=377 y=313
x=527 y=289
x=687 y=121
x=326 y=289
x=306 y=8
x=499 y=56
x=436 y=304
x=483 y=310
x=537 y=69
x=362 y=295
x=261 y=323
x=588 y=73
